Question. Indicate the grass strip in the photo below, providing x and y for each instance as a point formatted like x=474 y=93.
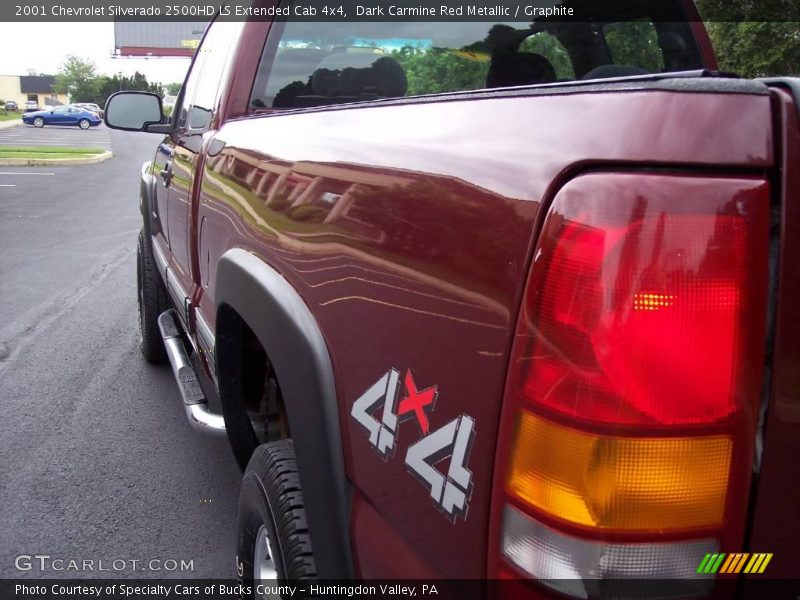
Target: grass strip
x=49 y=150
x=44 y=155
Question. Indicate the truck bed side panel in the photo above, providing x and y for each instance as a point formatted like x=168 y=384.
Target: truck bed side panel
x=407 y=229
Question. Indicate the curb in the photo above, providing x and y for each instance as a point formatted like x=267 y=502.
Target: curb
x=57 y=162
x=7 y=124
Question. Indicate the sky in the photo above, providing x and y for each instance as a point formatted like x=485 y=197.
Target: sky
x=42 y=47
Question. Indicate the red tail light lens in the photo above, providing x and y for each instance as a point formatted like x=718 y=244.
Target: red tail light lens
x=636 y=317
x=632 y=395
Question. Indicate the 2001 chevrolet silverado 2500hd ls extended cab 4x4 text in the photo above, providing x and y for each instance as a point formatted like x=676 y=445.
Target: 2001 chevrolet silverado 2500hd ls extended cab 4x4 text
x=536 y=320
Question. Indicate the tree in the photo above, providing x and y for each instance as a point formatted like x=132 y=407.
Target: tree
x=634 y=43
x=757 y=49
x=173 y=88
x=739 y=11
x=438 y=70
x=111 y=85
x=754 y=38
x=78 y=79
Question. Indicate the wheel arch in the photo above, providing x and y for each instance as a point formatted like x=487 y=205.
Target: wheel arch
x=250 y=292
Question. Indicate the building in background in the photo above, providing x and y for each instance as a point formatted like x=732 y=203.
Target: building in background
x=23 y=88
x=156 y=39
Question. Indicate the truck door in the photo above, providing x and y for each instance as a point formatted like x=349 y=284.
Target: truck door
x=183 y=153
x=162 y=170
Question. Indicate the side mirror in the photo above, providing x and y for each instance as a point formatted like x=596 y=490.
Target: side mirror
x=136 y=111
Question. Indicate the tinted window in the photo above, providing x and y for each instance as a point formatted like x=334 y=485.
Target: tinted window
x=553 y=50
x=306 y=64
x=634 y=43
x=312 y=64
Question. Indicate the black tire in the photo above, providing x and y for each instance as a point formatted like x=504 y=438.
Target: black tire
x=271 y=498
x=152 y=301
x=84 y=124
x=38 y=122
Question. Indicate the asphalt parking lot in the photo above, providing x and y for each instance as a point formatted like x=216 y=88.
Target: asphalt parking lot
x=28 y=135
x=97 y=460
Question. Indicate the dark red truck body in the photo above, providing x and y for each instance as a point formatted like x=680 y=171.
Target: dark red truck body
x=418 y=261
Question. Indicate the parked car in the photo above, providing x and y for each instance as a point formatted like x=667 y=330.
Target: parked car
x=63 y=115
x=532 y=327
x=92 y=107
x=31 y=106
x=11 y=105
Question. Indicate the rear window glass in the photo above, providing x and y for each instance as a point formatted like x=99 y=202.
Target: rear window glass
x=554 y=51
x=307 y=64
x=634 y=43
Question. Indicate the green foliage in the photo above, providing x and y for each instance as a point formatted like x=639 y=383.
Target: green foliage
x=40 y=152
x=438 y=70
x=757 y=49
x=635 y=43
x=50 y=150
x=173 y=88
x=77 y=78
x=750 y=48
x=111 y=85
x=548 y=46
x=754 y=38
x=764 y=11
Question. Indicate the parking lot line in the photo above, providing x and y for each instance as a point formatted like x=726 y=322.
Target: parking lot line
x=8 y=185
x=58 y=137
x=10 y=173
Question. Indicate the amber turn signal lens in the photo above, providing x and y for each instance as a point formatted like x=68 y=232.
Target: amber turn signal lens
x=620 y=483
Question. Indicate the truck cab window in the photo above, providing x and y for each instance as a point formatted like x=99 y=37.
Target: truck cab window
x=634 y=43
x=309 y=64
x=548 y=46
x=203 y=83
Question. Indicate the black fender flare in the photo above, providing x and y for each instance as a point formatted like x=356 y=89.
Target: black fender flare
x=289 y=334
x=147 y=195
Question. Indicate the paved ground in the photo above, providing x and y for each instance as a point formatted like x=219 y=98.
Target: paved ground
x=96 y=458
x=28 y=135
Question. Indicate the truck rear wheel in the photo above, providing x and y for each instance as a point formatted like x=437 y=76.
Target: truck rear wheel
x=152 y=300
x=272 y=539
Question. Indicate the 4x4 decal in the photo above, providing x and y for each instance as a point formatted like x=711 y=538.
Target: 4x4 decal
x=451 y=491
x=381 y=433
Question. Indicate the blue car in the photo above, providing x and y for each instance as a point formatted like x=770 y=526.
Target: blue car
x=62 y=115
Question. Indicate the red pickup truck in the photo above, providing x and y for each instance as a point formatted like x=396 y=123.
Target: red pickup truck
x=484 y=300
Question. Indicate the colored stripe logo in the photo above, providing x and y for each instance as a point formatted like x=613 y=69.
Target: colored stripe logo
x=738 y=562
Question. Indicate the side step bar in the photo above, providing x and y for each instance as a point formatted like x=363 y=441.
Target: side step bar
x=194 y=401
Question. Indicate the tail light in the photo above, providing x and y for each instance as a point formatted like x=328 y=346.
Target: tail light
x=629 y=422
